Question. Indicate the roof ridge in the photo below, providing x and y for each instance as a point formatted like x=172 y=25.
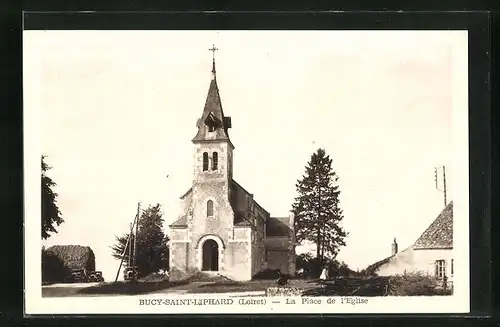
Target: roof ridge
x=251 y=194
x=435 y=235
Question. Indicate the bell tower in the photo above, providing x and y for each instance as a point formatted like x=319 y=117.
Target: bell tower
x=213 y=155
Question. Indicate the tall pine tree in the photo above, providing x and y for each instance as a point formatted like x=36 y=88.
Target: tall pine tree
x=51 y=216
x=152 y=247
x=318 y=216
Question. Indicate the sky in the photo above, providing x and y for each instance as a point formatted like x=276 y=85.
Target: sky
x=117 y=111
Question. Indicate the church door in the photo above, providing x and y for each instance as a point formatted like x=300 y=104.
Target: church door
x=210 y=256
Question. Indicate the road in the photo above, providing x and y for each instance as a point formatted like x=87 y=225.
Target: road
x=72 y=285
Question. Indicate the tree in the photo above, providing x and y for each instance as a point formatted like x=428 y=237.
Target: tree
x=152 y=248
x=318 y=216
x=51 y=216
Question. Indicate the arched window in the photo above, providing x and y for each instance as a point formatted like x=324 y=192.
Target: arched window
x=215 y=160
x=205 y=161
x=210 y=208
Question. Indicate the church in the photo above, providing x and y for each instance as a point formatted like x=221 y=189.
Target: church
x=222 y=230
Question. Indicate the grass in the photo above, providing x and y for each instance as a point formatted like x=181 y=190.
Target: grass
x=416 y=284
x=374 y=286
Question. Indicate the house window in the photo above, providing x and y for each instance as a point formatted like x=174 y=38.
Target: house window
x=211 y=128
x=205 y=161
x=452 y=267
x=440 y=269
x=215 y=160
x=210 y=208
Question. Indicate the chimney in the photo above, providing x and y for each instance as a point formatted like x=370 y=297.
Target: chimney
x=394 y=247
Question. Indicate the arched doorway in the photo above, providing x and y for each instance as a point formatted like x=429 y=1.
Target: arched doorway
x=210 y=260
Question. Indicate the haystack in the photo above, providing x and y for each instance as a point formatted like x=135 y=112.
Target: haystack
x=74 y=256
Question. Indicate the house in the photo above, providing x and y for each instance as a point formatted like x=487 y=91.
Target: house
x=432 y=252
x=222 y=229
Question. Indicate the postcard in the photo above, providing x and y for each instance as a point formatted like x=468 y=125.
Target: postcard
x=183 y=172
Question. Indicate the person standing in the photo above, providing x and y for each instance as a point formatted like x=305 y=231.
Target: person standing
x=324 y=274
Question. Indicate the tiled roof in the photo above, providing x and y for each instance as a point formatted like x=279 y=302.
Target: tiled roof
x=238 y=188
x=186 y=194
x=278 y=226
x=181 y=222
x=439 y=235
x=372 y=269
x=238 y=201
x=240 y=205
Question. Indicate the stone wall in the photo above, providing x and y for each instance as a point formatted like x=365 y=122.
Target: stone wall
x=239 y=257
x=224 y=153
x=258 y=246
x=179 y=255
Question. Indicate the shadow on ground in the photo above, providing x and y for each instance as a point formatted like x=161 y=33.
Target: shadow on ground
x=231 y=286
x=130 y=288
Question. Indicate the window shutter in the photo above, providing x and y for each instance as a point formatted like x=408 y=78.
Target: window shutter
x=436 y=268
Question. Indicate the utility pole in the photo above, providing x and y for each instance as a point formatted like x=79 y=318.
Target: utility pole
x=436 y=169
x=135 y=239
x=126 y=245
x=130 y=246
x=444 y=185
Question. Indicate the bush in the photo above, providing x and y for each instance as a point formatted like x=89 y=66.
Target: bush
x=154 y=277
x=415 y=284
x=267 y=274
x=74 y=256
x=53 y=268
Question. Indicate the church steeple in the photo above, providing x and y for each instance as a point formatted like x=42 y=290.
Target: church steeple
x=213 y=49
x=213 y=125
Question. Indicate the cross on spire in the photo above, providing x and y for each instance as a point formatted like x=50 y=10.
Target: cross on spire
x=213 y=49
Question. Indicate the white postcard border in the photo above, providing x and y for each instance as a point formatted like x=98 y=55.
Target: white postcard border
x=457 y=303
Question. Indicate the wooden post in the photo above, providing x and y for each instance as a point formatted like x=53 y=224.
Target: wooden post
x=130 y=246
x=444 y=182
x=125 y=249
x=444 y=185
x=134 y=262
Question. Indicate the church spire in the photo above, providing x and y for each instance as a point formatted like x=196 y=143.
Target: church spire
x=213 y=49
x=213 y=125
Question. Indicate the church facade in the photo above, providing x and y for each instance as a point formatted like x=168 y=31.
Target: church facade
x=222 y=229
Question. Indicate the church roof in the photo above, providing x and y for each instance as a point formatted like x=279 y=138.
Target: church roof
x=278 y=226
x=238 y=201
x=182 y=197
x=181 y=222
x=439 y=235
x=240 y=205
x=213 y=115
